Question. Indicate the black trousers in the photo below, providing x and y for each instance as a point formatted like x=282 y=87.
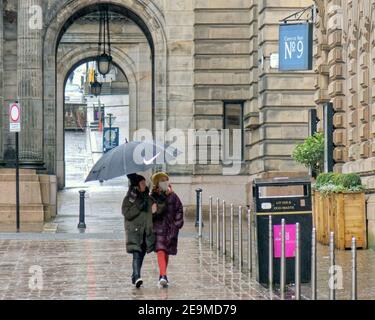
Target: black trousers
x=138 y=258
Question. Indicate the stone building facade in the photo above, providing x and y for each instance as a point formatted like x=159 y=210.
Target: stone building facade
x=188 y=62
x=345 y=56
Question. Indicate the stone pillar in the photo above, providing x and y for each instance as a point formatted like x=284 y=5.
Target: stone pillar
x=2 y=109
x=251 y=114
x=30 y=84
x=354 y=89
x=179 y=17
x=336 y=87
x=321 y=50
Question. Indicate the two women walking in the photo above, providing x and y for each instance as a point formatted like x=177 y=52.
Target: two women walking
x=152 y=223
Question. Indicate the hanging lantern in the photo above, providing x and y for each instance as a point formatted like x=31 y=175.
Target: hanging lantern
x=96 y=88
x=104 y=63
x=104 y=58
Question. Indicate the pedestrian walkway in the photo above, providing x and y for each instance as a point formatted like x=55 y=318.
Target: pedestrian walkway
x=94 y=264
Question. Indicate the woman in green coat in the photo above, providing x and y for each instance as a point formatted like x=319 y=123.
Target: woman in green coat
x=138 y=209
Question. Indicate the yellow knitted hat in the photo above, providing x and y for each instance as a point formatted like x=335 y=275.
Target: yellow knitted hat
x=157 y=176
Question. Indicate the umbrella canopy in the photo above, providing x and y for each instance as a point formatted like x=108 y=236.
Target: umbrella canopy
x=131 y=158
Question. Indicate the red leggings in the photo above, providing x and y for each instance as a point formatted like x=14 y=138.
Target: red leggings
x=163 y=260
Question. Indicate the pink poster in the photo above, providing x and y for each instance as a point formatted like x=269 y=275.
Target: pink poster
x=290 y=240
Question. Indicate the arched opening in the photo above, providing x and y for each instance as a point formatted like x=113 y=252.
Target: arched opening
x=90 y=121
x=140 y=53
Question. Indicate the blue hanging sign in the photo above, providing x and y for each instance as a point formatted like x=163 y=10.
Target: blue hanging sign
x=295 y=47
x=111 y=139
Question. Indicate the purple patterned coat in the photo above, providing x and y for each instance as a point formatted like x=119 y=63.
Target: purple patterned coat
x=168 y=223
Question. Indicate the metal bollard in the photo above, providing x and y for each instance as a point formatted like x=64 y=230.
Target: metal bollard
x=211 y=240
x=332 y=290
x=270 y=252
x=224 y=245
x=82 y=224
x=354 y=269
x=232 y=232
x=200 y=231
x=249 y=242
x=298 y=263
x=282 y=262
x=240 y=259
x=197 y=209
x=313 y=266
x=217 y=225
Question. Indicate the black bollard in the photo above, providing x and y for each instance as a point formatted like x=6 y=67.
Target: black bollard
x=198 y=207
x=82 y=224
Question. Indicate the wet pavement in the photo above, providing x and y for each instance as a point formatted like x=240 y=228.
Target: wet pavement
x=64 y=262
x=78 y=157
x=94 y=264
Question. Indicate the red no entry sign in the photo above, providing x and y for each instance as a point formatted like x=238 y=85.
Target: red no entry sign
x=15 y=117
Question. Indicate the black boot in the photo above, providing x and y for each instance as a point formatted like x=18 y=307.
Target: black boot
x=137 y=266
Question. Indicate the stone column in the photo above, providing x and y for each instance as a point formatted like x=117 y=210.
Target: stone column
x=179 y=17
x=321 y=50
x=251 y=114
x=30 y=84
x=336 y=87
x=2 y=110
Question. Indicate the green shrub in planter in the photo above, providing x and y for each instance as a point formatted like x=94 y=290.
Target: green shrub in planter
x=350 y=180
x=327 y=183
x=326 y=178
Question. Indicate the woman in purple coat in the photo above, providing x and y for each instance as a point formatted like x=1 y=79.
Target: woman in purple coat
x=167 y=224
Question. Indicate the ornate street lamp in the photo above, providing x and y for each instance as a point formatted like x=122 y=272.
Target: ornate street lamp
x=104 y=59
x=96 y=88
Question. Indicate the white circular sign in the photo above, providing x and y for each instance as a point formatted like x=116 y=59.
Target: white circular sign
x=15 y=113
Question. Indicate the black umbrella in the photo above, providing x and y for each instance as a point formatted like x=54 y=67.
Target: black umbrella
x=131 y=158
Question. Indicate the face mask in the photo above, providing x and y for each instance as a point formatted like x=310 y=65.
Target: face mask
x=164 y=185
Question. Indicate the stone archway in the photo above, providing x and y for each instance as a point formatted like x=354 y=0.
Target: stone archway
x=150 y=21
x=65 y=65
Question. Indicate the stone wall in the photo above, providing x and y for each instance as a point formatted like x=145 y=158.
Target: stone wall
x=345 y=38
x=234 y=41
x=37 y=197
x=2 y=113
x=179 y=30
x=206 y=52
x=222 y=62
x=283 y=97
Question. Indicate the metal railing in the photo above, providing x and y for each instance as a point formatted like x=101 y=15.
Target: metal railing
x=220 y=240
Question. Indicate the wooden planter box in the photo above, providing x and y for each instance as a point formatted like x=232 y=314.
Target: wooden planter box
x=344 y=214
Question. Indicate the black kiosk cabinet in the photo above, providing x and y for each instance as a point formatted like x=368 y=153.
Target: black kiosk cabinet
x=289 y=199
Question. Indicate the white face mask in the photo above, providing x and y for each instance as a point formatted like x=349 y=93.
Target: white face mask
x=164 y=185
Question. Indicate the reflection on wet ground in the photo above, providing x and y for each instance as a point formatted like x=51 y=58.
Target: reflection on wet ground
x=94 y=264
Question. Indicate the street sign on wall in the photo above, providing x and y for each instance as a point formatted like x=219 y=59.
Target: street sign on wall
x=295 y=47
x=15 y=117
